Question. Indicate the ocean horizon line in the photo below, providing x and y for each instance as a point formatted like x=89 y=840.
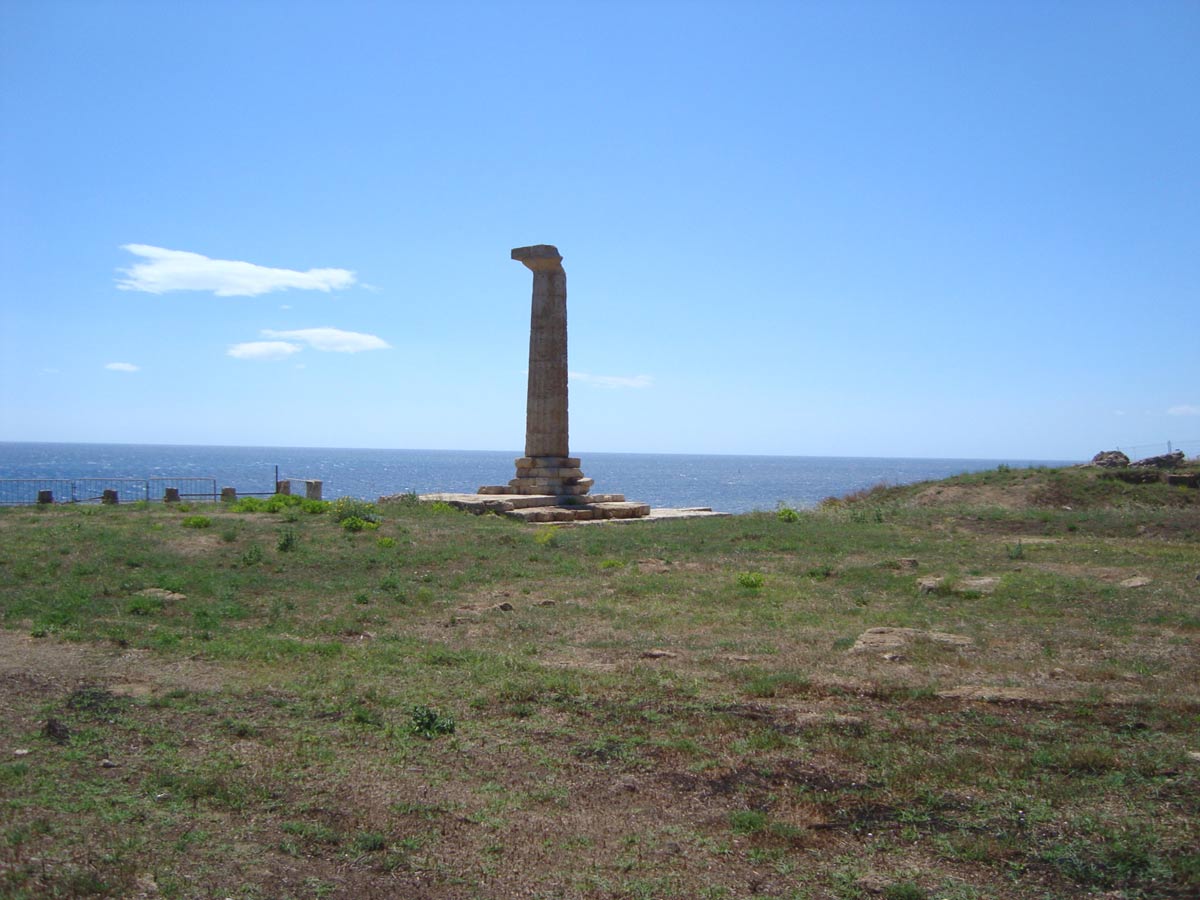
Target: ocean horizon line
x=516 y=453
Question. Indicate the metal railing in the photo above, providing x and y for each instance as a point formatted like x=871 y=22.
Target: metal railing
x=29 y=491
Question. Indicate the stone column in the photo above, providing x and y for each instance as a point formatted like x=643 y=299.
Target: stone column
x=546 y=400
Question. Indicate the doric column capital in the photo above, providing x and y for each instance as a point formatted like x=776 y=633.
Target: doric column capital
x=539 y=257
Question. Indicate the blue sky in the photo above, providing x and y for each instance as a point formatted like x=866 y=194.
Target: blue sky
x=872 y=229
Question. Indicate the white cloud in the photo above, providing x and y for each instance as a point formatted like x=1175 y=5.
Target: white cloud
x=612 y=381
x=331 y=340
x=1185 y=409
x=121 y=367
x=179 y=270
x=263 y=350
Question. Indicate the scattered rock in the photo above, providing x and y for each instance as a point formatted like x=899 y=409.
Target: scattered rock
x=994 y=694
x=165 y=795
x=107 y=764
x=57 y=731
x=1136 y=581
x=162 y=594
x=1058 y=673
x=1194 y=755
x=1110 y=459
x=983 y=584
x=545 y=603
x=1165 y=461
x=738 y=658
x=906 y=562
x=930 y=584
x=894 y=657
x=656 y=653
x=628 y=785
x=503 y=606
x=889 y=640
x=22 y=752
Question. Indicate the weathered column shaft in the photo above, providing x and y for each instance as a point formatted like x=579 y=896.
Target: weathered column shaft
x=546 y=419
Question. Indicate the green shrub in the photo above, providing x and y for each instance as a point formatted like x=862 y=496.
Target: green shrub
x=903 y=890
x=787 y=514
x=385 y=543
x=751 y=580
x=287 y=541
x=197 y=522
x=429 y=723
x=547 y=536
x=369 y=842
x=143 y=606
x=747 y=821
x=352 y=508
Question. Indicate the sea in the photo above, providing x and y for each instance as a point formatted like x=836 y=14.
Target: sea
x=733 y=484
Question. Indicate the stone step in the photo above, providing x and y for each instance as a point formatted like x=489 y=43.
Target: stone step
x=550 y=462
x=626 y=510
x=562 y=472
x=551 y=486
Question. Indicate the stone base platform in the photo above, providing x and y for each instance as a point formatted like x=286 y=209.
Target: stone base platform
x=545 y=507
x=549 y=508
x=557 y=475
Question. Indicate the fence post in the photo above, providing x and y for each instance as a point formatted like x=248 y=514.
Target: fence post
x=171 y=495
x=283 y=487
x=110 y=496
x=228 y=495
x=312 y=489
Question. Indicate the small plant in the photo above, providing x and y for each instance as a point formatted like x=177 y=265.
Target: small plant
x=354 y=524
x=385 y=543
x=429 y=723
x=1016 y=551
x=612 y=564
x=441 y=506
x=904 y=890
x=253 y=555
x=787 y=514
x=747 y=821
x=197 y=522
x=287 y=541
x=546 y=536
x=369 y=842
x=346 y=508
x=144 y=606
x=752 y=581
x=229 y=534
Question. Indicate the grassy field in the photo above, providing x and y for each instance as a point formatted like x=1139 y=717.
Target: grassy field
x=980 y=688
